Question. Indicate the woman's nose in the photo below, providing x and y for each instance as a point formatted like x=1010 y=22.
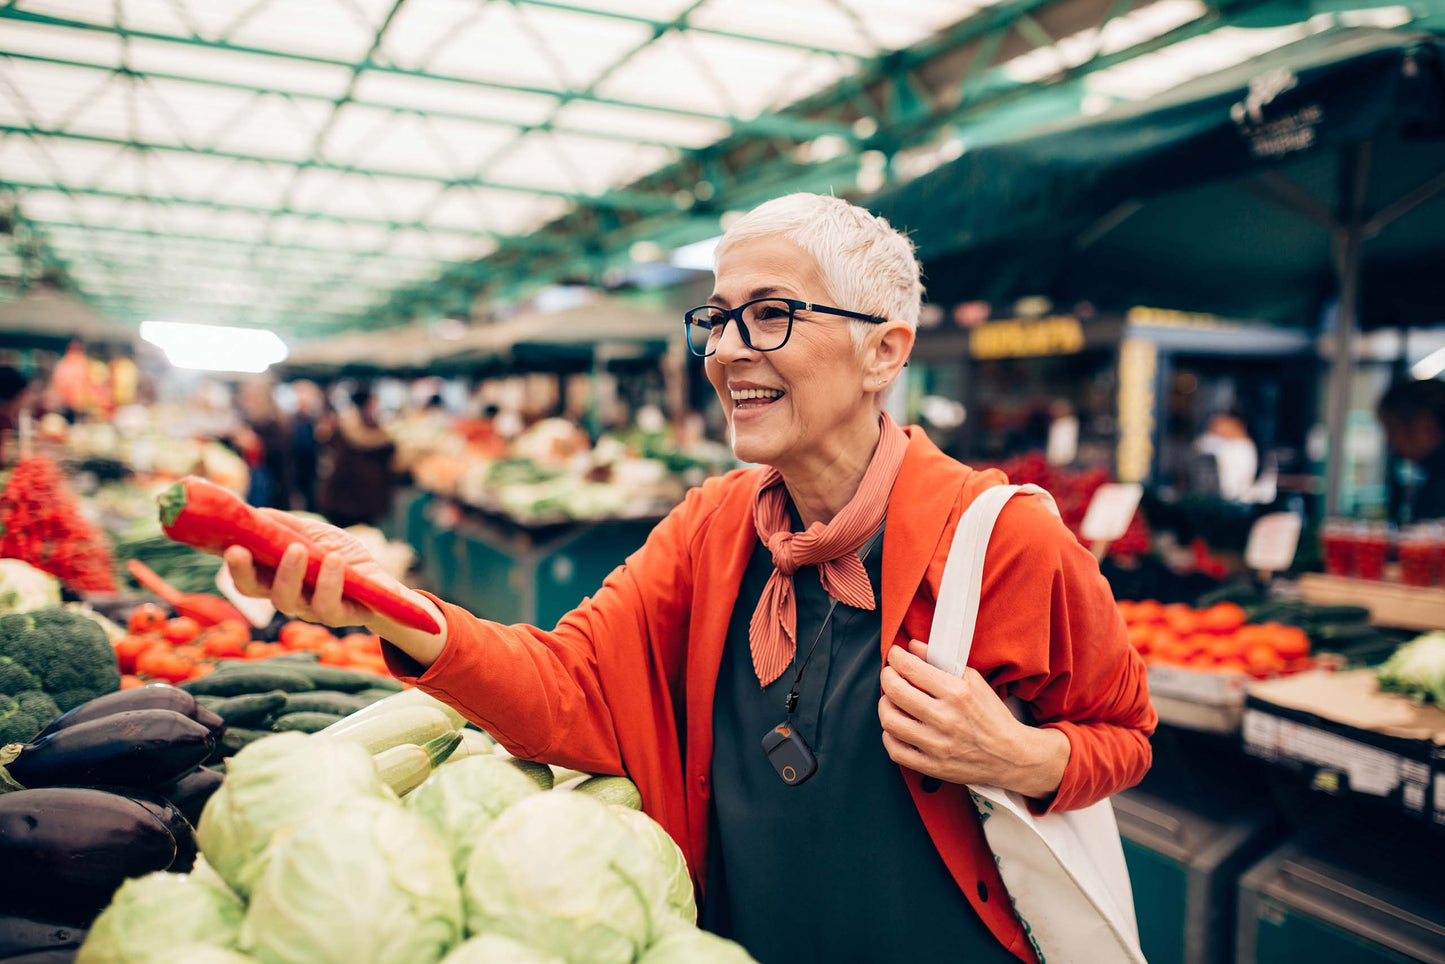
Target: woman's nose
x=730 y=345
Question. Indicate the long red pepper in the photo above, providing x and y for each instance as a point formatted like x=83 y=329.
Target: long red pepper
x=204 y=515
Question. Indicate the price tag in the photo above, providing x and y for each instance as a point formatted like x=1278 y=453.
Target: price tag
x=1272 y=542
x=1110 y=511
x=259 y=612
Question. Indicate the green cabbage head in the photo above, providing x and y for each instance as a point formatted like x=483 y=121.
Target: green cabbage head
x=154 y=913
x=687 y=945
x=496 y=949
x=460 y=800
x=272 y=786
x=200 y=954
x=559 y=872
x=668 y=854
x=364 y=883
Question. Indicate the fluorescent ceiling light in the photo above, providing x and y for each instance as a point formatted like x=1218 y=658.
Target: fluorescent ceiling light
x=215 y=348
x=697 y=256
x=1430 y=366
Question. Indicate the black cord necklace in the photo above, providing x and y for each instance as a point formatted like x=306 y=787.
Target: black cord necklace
x=785 y=747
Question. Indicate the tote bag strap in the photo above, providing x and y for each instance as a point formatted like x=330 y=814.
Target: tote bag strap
x=956 y=614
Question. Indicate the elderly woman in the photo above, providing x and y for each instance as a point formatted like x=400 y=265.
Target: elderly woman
x=798 y=591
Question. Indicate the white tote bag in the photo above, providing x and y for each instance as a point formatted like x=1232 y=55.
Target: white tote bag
x=1064 y=872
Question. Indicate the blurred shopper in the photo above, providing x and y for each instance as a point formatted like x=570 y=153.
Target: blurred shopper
x=305 y=449
x=358 y=484
x=687 y=658
x=1235 y=457
x=1413 y=414
x=268 y=447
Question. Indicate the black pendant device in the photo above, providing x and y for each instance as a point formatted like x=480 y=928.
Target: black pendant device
x=785 y=747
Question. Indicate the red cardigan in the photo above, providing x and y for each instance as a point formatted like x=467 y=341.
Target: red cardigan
x=625 y=682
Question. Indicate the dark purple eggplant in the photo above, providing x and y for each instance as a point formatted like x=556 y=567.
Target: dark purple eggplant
x=182 y=830
x=22 y=935
x=51 y=955
x=142 y=749
x=152 y=696
x=65 y=850
x=191 y=791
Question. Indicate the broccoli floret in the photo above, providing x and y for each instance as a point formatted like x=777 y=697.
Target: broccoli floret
x=16 y=679
x=65 y=651
x=23 y=717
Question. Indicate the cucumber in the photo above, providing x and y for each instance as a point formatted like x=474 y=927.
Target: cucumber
x=382 y=731
x=238 y=737
x=374 y=693
x=324 y=701
x=406 y=699
x=299 y=656
x=254 y=679
x=540 y=773
x=344 y=680
x=304 y=722
x=1338 y=633
x=618 y=790
x=252 y=710
x=1338 y=614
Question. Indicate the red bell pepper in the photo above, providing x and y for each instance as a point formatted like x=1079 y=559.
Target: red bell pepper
x=208 y=517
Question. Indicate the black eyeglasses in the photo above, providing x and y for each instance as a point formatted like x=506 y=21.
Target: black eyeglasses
x=765 y=324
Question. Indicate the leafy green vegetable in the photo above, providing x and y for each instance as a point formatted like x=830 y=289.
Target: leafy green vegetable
x=496 y=949
x=67 y=652
x=364 y=882
x=668 y=854
x=559 y=872
x=156 y=912
x=272 y=787
x=1417 y=669
x=689 y=946
x=23 y=588
x=200 y=954
x=462 y=799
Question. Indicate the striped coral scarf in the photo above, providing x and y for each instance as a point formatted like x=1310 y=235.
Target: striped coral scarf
x=831 y=546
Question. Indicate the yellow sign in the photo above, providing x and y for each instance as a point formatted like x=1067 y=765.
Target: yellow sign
x=1019 y=338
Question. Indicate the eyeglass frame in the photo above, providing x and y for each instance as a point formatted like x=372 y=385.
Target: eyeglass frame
x=794 y=305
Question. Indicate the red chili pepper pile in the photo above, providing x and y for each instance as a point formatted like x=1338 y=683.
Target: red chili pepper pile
x=1072 y=490
x=40 y=523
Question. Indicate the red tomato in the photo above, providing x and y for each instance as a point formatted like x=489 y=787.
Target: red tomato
x=362 y=643
x=191 y=654
x=222 y=645
x=146 y=618
x=181 y=630
x=129 y=647
x=335 y=654
x=155 y=662
x=129 y=682
x=296 y=634
x=263 y=650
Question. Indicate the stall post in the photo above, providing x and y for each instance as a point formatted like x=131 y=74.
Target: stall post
x=1348 y=235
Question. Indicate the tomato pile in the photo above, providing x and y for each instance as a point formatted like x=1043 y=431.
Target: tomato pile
x=1216 y=639
x=156 y=647
x=1072 y=490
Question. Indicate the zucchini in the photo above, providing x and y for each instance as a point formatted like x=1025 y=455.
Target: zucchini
x=618 y=790
x=304 y=722
x=406 y=699
x=382 y=731
x=540 y=773
x=403 y=768
x=324 y=701
x=252 y=679
x=252 y=710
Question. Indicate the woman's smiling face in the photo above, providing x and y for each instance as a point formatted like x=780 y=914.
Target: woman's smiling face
x=826 y=395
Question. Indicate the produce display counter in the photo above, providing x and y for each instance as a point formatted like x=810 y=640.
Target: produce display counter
x=1345 y=898
x=507 y=572
x=1184 y=867
x=1390 y=604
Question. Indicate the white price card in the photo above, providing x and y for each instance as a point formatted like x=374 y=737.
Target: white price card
x=1272 y=542
x=1110 y=511
x=259 y=612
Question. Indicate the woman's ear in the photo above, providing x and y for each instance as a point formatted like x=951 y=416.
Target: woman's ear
x=889 y=353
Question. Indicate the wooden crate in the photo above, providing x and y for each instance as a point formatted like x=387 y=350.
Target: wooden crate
x=1389 y=603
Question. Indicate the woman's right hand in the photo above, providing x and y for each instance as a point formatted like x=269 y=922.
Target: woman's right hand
x=285 y=588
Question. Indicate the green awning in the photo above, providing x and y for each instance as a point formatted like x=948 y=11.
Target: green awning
x=1220 y=196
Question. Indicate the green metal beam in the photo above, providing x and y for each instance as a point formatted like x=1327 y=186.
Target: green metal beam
x=306 y=95
x=163 y=235
x=529 y=240
x=798 y=126
x=629 y=200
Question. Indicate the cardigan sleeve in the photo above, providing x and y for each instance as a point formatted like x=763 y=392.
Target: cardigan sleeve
x=1050 y=634
x=542 y=694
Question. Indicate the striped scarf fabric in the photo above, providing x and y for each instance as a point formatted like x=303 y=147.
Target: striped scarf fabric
x=832 y=547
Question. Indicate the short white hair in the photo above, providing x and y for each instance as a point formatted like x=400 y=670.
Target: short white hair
x=867 y=265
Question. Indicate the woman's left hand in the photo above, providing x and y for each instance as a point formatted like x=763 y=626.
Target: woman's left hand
x=957 y=729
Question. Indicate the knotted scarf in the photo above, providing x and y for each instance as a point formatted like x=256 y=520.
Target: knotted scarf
x=831 y=546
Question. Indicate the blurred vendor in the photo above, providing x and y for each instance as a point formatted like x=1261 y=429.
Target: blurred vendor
x=1413 y=414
